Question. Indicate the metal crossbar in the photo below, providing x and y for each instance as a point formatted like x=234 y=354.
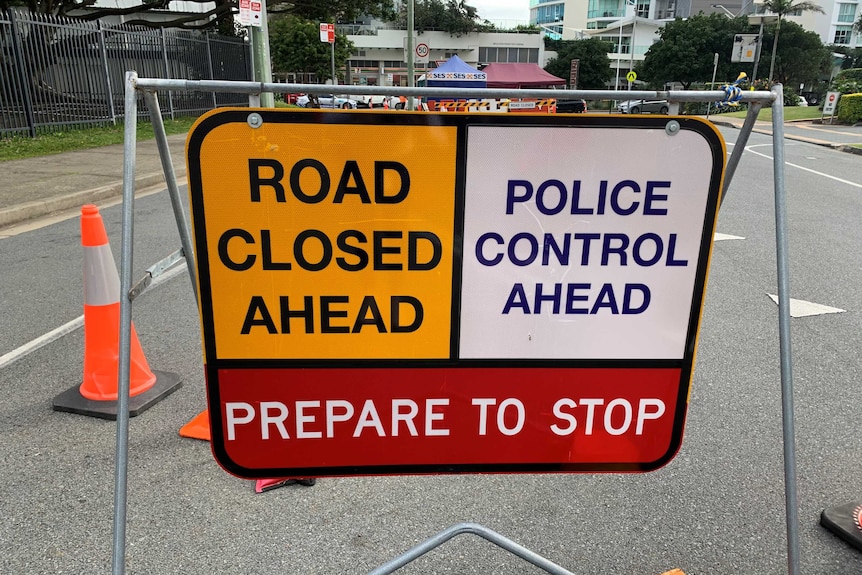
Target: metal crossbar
x=150 y=87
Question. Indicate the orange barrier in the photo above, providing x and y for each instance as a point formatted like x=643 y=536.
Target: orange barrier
x=98 y=393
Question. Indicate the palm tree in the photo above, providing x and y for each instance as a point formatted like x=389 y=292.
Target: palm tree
x=782 y=8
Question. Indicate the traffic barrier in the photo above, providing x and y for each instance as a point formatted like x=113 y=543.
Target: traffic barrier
x=98 y=393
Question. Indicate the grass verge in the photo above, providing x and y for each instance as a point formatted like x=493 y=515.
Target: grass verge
x=790 y=113
x=20 y=147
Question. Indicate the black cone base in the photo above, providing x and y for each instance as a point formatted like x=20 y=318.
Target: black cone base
x=844 y=521
x=72 y=401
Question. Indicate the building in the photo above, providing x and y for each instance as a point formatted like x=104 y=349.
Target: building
x=631 y=26
x=380 y=57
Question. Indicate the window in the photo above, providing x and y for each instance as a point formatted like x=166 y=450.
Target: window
x=488 y=55
x=847 y=13
x=842 y=35
x=642 y=9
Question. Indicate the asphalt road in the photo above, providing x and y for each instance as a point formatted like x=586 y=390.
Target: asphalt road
x=717 y=508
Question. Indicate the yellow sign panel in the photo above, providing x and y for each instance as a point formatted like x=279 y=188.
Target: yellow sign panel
x=631 y=76
x=331 y=241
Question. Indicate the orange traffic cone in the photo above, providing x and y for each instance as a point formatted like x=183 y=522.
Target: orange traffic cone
x=198 y=427
x=98 y=393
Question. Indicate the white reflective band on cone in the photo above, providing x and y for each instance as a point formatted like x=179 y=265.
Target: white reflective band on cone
x=101 y=280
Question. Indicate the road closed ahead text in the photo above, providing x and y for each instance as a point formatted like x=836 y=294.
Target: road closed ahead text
x=349 y=253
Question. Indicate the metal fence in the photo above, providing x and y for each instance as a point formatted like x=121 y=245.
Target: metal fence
x=57 y=73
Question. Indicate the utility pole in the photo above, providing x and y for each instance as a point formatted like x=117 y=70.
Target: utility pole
x=259 y=33
x=411 y=81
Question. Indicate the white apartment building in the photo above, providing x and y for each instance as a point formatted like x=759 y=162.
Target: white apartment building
x=632 y=25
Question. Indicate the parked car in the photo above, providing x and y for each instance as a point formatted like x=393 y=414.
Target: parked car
x=391 y=102
x=571 y=106
x=326 y=101
x=642 y=106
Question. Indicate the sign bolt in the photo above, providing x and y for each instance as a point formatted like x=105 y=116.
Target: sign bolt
x=254 y=120
x=672 y=128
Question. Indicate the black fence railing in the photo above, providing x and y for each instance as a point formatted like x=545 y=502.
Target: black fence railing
x=59 y=73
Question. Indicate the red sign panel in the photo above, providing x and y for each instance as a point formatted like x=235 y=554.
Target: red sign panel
x=372 y=420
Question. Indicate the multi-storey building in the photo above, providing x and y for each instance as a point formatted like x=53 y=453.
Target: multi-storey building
x=631 y=26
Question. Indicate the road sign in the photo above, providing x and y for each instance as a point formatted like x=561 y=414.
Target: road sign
x=422 y=52
x=250 y=13
x=830 y=103
x=485 y=307
x=631 y=76
x=744 y=48
x=327 y=32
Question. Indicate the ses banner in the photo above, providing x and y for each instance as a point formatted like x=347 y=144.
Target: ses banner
x=419 y=293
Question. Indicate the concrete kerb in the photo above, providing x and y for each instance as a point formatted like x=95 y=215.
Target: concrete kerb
x=30 y=210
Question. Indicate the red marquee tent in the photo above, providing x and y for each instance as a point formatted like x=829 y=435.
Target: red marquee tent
x=519 y=75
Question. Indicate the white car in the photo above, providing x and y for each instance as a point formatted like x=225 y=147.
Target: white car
x=326 y=101
x=641 y=106
x=392 y=102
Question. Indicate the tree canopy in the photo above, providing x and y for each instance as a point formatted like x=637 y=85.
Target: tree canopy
x=295 y=46
x=801 y=56
x=594 y=69
x=223 y=12
x=452 y=16
x=684 y=52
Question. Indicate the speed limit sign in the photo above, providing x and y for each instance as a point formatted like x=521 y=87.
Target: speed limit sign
x=422 y=51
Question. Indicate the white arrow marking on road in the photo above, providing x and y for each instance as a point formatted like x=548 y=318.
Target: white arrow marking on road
x=802 y=308
x=718 y=237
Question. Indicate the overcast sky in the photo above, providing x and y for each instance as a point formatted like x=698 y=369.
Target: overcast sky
x=502 y=9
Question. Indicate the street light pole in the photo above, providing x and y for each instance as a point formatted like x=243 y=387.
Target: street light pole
x=757 y=54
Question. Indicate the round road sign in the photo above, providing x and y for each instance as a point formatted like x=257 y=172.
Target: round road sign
x=631 y=76
x=422 y=50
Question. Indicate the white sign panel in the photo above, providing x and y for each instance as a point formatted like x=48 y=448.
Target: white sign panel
x=744 y=48
x=830 y=103
x=256 y=14
x=422 y=52
x=245 y=12
x=582 y=244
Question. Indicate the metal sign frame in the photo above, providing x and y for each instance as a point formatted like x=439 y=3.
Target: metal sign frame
x=149 y=88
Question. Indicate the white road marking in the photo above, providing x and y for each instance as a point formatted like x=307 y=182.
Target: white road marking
x=69 y=327
x=802 y=308
x=829 y=176
x=718 y=237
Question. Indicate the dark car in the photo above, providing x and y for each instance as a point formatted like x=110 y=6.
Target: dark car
x=571 y=106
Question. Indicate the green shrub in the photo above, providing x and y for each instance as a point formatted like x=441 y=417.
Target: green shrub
x=848 y=81
x=850 y=108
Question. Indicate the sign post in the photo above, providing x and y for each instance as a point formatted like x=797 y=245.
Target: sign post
x=327 y=34
x=574 y=70
x=375 y=311
x=252 y=13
